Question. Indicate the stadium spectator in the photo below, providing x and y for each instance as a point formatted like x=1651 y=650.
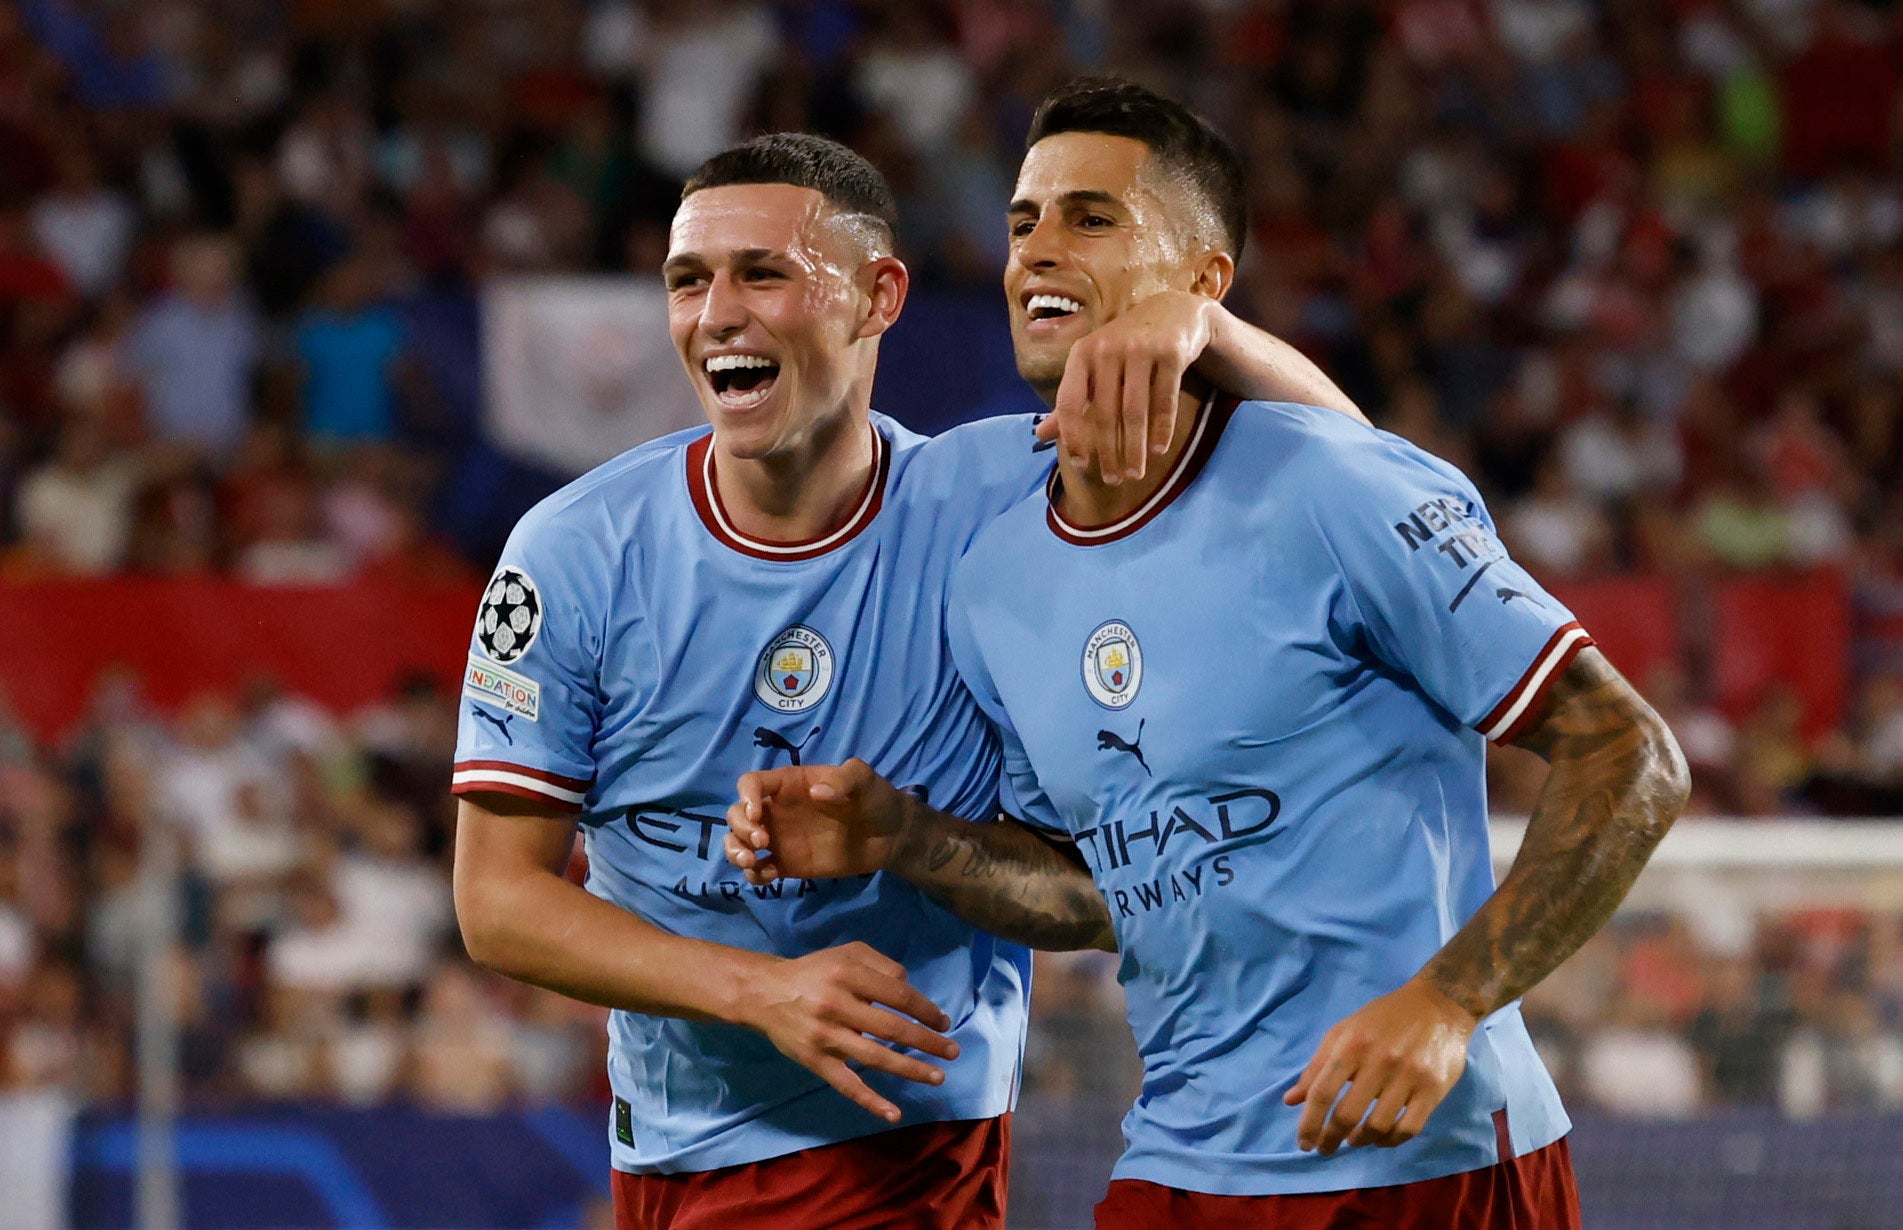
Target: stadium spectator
x=75 y=510
x=197 y=348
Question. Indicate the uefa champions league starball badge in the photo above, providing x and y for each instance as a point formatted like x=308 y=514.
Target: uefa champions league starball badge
x=510 y=615
x=1113 y=665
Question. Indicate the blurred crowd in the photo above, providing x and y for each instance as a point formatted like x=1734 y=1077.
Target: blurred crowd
x=315 y=958
x=1661 y=1015
x=1638 y=267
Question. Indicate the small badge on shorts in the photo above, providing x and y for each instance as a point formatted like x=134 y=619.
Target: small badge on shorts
x=624 y=1122
x=1113 y=665
x=795 y=671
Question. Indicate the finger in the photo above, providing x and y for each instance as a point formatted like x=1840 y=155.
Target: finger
x=1107 y=385
x=1350 y=1110
x=749 y=829
x=1377 y=1127
x=869 y=1054
x=1133 y=425
x=1071 y=406
x=1306 y=1080
x=833 y=785
x=1045 y=429
x=891 y=1027
x=896 y=993
x=753 y=794
x=1321 y=1099
x=1165 y=383
x=835 y=1073
x=759 y=868
x=1414 y=1119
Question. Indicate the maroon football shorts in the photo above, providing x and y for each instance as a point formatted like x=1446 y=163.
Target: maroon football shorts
x=935 y=1176
x=1535 y=1192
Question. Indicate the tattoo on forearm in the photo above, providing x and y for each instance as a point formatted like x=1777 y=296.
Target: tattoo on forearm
x=1617 y=783
x=1014 y=884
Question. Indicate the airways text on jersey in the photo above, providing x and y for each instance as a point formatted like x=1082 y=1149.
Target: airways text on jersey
x=1179 y=850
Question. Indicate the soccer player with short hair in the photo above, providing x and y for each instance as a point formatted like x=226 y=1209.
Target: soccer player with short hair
x=768 y=591
x=1249 y=698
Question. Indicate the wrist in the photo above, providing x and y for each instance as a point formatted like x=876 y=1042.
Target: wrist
x=1217 y=336
x=907 y=833
x=1459 y=1003
x=738 y=998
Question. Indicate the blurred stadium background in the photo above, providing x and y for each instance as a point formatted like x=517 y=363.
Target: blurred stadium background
x=303 y=301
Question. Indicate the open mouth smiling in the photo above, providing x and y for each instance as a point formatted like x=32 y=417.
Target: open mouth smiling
x=1051 y=307
x=741 y=381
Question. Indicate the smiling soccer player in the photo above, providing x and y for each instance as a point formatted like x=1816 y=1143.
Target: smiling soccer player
x=1248 y=697
x=770 y=589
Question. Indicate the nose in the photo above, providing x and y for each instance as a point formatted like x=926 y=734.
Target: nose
x=1040 y=249
x=722 y=312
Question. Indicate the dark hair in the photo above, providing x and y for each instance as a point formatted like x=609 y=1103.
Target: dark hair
x=848 y=182
x=1182 y=141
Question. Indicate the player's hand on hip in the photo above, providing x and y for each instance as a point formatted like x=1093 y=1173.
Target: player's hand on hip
x=1380 y=1073
x=815 y=821
x=836 y=1010
x=1117 y=403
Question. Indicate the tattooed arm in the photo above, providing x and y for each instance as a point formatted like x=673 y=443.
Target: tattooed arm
x=824 y=821
x=1616 y=783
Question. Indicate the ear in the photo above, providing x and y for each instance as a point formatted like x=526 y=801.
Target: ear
x=1213 y=273
x=884 y=282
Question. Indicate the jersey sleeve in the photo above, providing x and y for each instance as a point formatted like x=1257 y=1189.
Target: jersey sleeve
x=1019 y=795
x=1429 y=585
x=529 y=706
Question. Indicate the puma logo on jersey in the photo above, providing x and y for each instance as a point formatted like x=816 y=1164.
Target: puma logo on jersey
x=1111 y=741
x=500 y=723
x=1507 y=595
x=775 y=741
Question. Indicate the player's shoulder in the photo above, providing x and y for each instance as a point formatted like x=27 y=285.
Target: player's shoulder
x=1329 y=456
x=998 y=446
x=603 y=508
x=1009 y=541
x=956 y=483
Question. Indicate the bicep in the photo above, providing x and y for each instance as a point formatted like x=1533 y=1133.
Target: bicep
x=1591 y=711
x=500 y=836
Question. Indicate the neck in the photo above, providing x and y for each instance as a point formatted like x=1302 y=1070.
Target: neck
x=802 y=493
x=1085 y=499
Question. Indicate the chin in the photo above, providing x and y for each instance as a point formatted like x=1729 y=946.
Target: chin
x=1042 y=374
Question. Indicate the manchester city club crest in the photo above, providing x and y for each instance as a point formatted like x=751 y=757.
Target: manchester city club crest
x=1113 y=665
x=795 y=671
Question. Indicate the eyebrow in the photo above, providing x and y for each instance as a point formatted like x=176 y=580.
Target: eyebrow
x=739 y=256
x=1081 y=196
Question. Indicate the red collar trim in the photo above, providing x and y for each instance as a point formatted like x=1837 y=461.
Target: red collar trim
x=1211 y=418
x=706 y=496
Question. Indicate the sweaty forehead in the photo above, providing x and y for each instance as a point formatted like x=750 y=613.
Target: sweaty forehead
x=1083 y=162
x=749 y=217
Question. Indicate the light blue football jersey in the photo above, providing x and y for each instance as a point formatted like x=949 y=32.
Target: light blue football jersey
x=1257 y=706
x=635 y=654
